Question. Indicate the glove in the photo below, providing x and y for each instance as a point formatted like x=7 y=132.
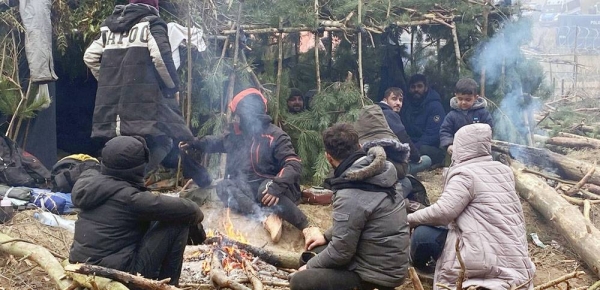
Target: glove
x=197 y=235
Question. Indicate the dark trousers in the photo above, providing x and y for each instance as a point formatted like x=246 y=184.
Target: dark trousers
x=159 y=147
x=436 y=154
x=160 y=253
x=426 y=246
x=330 y=279
x=246 y=199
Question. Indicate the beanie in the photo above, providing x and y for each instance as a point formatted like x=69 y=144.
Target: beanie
x=294 y=92
x=153 y=3
x=249 y=101
x=125 y=152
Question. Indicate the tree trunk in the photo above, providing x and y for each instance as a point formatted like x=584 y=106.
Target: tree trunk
x=566 y=218
x=278 y=258
x=125 y=278
x=576 y=143
x=566 y=167
x=37 y=254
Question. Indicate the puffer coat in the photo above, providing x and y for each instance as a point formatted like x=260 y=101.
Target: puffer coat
x=481 y=208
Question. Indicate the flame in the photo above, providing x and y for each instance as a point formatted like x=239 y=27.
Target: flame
x=231 y=232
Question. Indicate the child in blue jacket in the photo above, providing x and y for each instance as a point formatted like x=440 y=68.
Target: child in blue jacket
x=467 y=108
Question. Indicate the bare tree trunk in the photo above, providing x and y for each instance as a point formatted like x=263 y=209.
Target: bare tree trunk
x=317 y=67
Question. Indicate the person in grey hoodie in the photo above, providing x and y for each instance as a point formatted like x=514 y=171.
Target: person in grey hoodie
x=366 y=248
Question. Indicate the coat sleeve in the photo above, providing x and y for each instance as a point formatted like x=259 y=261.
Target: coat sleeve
x=290 y=164
x=160 y=52
x=447 y=131
x=93 y=55
x=349 y=220
x=454 y=199
x=155 y=207
x=210 y=144
x=395 y=123
x=431 y=134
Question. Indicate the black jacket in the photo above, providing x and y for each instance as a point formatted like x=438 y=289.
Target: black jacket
x=136 y=76
x=423 y=118
x=395 y=122
x=115 y=215
x=268 y=154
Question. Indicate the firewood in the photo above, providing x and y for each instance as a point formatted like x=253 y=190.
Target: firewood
x=559 y=280
x=37 y=254
x=575 y=189
x=414 y=278
x=577 y=201
x=125 y=278
x=218 y=276
x=566 y=218
x=251 y=273
x=592 y=188
x=99 y=282
x=277 y=258
x=527 y=170
x=589 y=195
x=566 y=167
x=461 y=273
x=576 y=143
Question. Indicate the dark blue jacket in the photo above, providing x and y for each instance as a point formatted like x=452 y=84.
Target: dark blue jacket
x=458 y=118
x=423 y=118
x=395 y=123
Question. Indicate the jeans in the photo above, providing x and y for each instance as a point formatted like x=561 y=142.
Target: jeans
x=436 y=154
x=426 y=245
x=330 y=279
x=414 y=168
x=160 y=253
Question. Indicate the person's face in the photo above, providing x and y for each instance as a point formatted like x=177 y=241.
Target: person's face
x=465 y=101
x=295 y=104
x=395 y=102
x=418 y=90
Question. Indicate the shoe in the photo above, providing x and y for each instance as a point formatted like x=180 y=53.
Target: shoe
x=274 y=226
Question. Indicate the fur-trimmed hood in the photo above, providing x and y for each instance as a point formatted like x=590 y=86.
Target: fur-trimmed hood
x=481 y=103
x=394 y=149
x=373 y=169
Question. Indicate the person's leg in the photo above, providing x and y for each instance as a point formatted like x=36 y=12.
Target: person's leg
x=436 y=154
x=160 y=253
x=325 y=279
x=159 y=147
x=426 y=244
x=239 y=196
x=414 y=168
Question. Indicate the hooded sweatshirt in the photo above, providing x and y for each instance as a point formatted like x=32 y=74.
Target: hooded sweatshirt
x=458 y=118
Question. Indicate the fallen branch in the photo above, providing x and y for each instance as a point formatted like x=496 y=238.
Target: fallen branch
x=559 y=280
x=595 y=286
x=414 y=278
x=589 y=195
x=527 y=170
x=577 y=201
x=251 y=273
x=218 y=276
x=575 y=189
x=37 y=254
x=99 y=282
x=277 y=258
x=461 y=274
x=592 y=188
x=126 y=279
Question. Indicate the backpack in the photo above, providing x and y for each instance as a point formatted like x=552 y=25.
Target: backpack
x=19 y=168
x=67 y=170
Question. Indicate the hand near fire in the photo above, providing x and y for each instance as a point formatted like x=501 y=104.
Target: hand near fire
x=269 y=200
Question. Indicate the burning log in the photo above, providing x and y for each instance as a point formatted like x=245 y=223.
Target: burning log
x=278 y=258
x=218 y=276
x=565 y=217
x=252 y=275
x=126 y=279
x=567 y=167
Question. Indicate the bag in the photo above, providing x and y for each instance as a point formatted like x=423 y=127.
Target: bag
x=19 y=168
x=67 y=170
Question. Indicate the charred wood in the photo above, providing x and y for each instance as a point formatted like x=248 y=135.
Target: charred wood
x=277 y=258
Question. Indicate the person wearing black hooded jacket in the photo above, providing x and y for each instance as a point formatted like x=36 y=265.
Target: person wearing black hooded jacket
x=123 y=226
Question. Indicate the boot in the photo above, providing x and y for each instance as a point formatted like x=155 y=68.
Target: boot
x=274 y=226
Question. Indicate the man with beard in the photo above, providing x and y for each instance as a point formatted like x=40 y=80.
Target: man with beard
x=422 y=114
x=295 y=102
x=262 y=175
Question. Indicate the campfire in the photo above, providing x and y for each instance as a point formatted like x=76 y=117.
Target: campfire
x=226 y=260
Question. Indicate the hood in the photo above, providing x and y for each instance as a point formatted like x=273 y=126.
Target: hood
x=126 y=16
x=372 y=169
x=432 y=96
x=371 y=125
x=481 y=103
x=472 y=141
x=90 y=189
x=394 y=149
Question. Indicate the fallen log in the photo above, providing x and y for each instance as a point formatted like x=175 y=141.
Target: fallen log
x=576 y=143
x=559 y=280
x=100 y=283
x=592 y=188
x=575 y=189
x=218 y=276
x=564 y=166
x=277 y=258
x=566 y=218
x=126 y=279
x=38 y=254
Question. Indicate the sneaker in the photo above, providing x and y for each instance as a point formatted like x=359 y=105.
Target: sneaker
x=274 y=226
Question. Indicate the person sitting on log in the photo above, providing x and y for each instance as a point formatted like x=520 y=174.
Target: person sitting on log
x=467 y=108
x=480 y=210
x=262 y=175
x=123 y=226
x=367 y=246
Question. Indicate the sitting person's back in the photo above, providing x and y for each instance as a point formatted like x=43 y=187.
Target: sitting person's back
x=124 y=227
x=482 y=210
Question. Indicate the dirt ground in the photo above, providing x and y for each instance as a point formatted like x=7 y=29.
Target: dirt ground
x=555 y=260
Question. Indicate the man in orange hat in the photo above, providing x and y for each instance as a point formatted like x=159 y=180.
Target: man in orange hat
x=262 y=176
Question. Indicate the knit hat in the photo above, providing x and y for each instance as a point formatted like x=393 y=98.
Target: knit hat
x=294 y=92
x=153 y=3
x=249 y=102
x=125 y=152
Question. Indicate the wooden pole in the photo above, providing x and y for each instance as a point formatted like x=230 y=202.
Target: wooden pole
x=484 y=32
x=360 y=64
x=317 y=68
x=575 y=66
x=279 y=71
x=456 y=47
x=188 y=117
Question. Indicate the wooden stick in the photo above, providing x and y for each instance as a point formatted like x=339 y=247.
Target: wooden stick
x=251 y=273
x=577 y=201
x=279 y=72
x=99 y=282
x=587 y=207
x=126 y=279
x=583 y=181
x=527 y=170
x=595 y=286
x=589 y=195
x=360 y=64
x=456 y=47
x=592 y=188
x=461 y=274
x=414 y=278
x=559 y=280
x=218 y=276
x=317 y=67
